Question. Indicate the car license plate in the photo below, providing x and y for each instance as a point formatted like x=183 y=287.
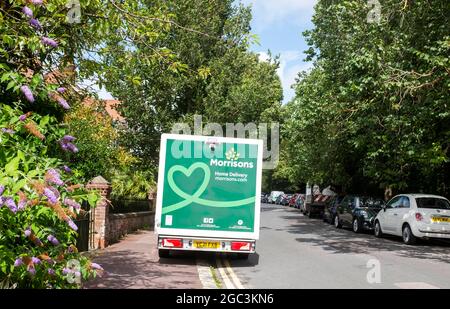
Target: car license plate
x=441 y=219
x=201 y=244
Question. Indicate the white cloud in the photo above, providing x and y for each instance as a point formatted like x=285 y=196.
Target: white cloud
x=92 y=85
x=291 y=63
x=272 y=11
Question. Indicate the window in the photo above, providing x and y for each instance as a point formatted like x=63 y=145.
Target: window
x=404 y=202
x=432 y=203
x=394 y=202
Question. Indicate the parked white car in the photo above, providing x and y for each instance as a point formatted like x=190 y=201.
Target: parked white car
x=414 y=216
x=274 y=195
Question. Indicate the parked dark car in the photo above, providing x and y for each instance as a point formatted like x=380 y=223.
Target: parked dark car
x=357 y=212
x=285 y=198
x=330 y=209
x=264 y=197
x=299 y=201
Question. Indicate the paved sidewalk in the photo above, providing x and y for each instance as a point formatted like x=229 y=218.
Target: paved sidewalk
x=133 y=263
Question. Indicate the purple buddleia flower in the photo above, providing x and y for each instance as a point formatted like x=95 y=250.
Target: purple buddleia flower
x=66 y=169
x=37 y=2
x=35 y=24
x=31 y=269
x=72 y=225
x=61 y=89
x=53 y=240
x=72 y=147
x=52 y=176
x=68 y=138
x=2 y=189
x=64 y=146
x=35 y=260
x=51 y=272
x=49 y=42
x=77 y=274
x=96 y=266
x=63 y=103
x=27 y=11
x=18 y=262
x=55 y=192
x=50 y=195
x=27 y=93
x=27 y=232
x=66 y=271
x=23 y=117
x=21 y=205
x=2 y=200
x=9 y=131
x=71 y=203
x=9 y=202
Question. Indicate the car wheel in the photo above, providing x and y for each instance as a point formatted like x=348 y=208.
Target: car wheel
x=408 y=236
x=377 y=230
x=163 y=253
x=337 y=222
x=356 y=225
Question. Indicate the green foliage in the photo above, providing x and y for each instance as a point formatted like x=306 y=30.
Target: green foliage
x=211 y=74
x=24 y=174
x=374 y=109
x=133 y=185
x=38 y=202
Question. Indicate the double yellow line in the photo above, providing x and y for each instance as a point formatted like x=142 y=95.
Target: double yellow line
x=229 y=277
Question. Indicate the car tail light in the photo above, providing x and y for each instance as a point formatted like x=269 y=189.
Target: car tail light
x=419 y=216
x=240 y=246
x=172 y=243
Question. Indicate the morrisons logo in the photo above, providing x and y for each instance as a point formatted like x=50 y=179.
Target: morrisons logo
x=226 y=163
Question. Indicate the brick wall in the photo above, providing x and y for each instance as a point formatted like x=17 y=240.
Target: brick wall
x=121 y=224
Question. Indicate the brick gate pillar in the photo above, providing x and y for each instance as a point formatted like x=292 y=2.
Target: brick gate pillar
x=101 y=212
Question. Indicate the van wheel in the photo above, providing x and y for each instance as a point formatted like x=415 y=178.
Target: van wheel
x=337 y=222
x=163 y=253
x=356 y=225
x=408 y=236
x=377 y=230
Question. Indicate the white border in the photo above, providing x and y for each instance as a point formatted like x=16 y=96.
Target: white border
x=207 y=233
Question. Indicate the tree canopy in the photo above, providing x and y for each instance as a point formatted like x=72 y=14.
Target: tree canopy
x=374 y=109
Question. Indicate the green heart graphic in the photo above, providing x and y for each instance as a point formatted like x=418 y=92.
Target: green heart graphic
x=188 y=172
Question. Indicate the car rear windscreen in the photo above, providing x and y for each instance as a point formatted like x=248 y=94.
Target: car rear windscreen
x=432 y=203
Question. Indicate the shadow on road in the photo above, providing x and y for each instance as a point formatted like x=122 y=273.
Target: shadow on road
x=317 y=233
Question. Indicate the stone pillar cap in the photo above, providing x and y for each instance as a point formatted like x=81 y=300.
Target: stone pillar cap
x=99 y=180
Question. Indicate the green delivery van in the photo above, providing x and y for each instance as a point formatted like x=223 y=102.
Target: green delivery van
x=208 y=194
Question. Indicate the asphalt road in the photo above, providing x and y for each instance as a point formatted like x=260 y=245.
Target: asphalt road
x=295 y=251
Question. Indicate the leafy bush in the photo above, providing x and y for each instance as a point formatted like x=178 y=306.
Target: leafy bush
x=38 y=205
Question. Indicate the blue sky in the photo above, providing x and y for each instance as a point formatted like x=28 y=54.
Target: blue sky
x=279 y=25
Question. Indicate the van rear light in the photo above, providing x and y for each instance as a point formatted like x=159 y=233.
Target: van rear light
x=172 y=243
x=419 y=216
x=240 y=246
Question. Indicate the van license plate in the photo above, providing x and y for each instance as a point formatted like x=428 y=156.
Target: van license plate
x=201 y=244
